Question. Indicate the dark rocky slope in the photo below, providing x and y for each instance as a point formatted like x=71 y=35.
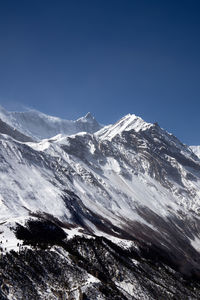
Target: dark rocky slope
x=90 y=268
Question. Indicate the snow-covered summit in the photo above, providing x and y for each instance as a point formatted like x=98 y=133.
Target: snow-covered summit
x=127 y=123
x=87 y=117
x=41 y=126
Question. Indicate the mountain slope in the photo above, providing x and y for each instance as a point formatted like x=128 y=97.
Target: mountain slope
x=132 y=183
x=6 y=129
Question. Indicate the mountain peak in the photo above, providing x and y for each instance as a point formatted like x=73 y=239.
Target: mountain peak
x=127 y=123
x=131 y=121
x=89 y=116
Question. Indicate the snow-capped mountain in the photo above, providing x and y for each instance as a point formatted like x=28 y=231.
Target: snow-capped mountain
x=119 y=205
x=41 y=126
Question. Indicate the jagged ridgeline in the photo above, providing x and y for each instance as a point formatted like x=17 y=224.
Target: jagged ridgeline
x=97 y=212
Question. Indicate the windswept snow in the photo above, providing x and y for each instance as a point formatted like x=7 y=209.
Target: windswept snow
x=40 y=126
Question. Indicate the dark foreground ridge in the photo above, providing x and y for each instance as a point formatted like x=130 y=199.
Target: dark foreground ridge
x=88 y=268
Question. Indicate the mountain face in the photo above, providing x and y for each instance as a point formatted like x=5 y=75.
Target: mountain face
x=108 y=213
x=40 y=126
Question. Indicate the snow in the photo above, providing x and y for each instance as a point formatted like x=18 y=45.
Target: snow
x=196 y=243
x=25 y=188
x=196 y=150
x=127 y=123
x=123 y=194
x=91 y=279
x=71 y=233
x=126 y=286
x=37 y=185
x=112 y=165
x=8 y=240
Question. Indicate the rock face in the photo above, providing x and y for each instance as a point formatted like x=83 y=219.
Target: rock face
x=112 y=214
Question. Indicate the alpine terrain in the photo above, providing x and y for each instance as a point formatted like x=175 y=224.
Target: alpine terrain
x=97 y=212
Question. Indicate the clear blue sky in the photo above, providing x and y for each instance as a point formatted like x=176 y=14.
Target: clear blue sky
x=109 y=57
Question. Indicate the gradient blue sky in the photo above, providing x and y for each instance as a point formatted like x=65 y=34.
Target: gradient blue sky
x=109 y=57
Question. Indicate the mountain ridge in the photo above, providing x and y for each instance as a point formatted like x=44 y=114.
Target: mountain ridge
x=130 y=183
x=39 y=126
